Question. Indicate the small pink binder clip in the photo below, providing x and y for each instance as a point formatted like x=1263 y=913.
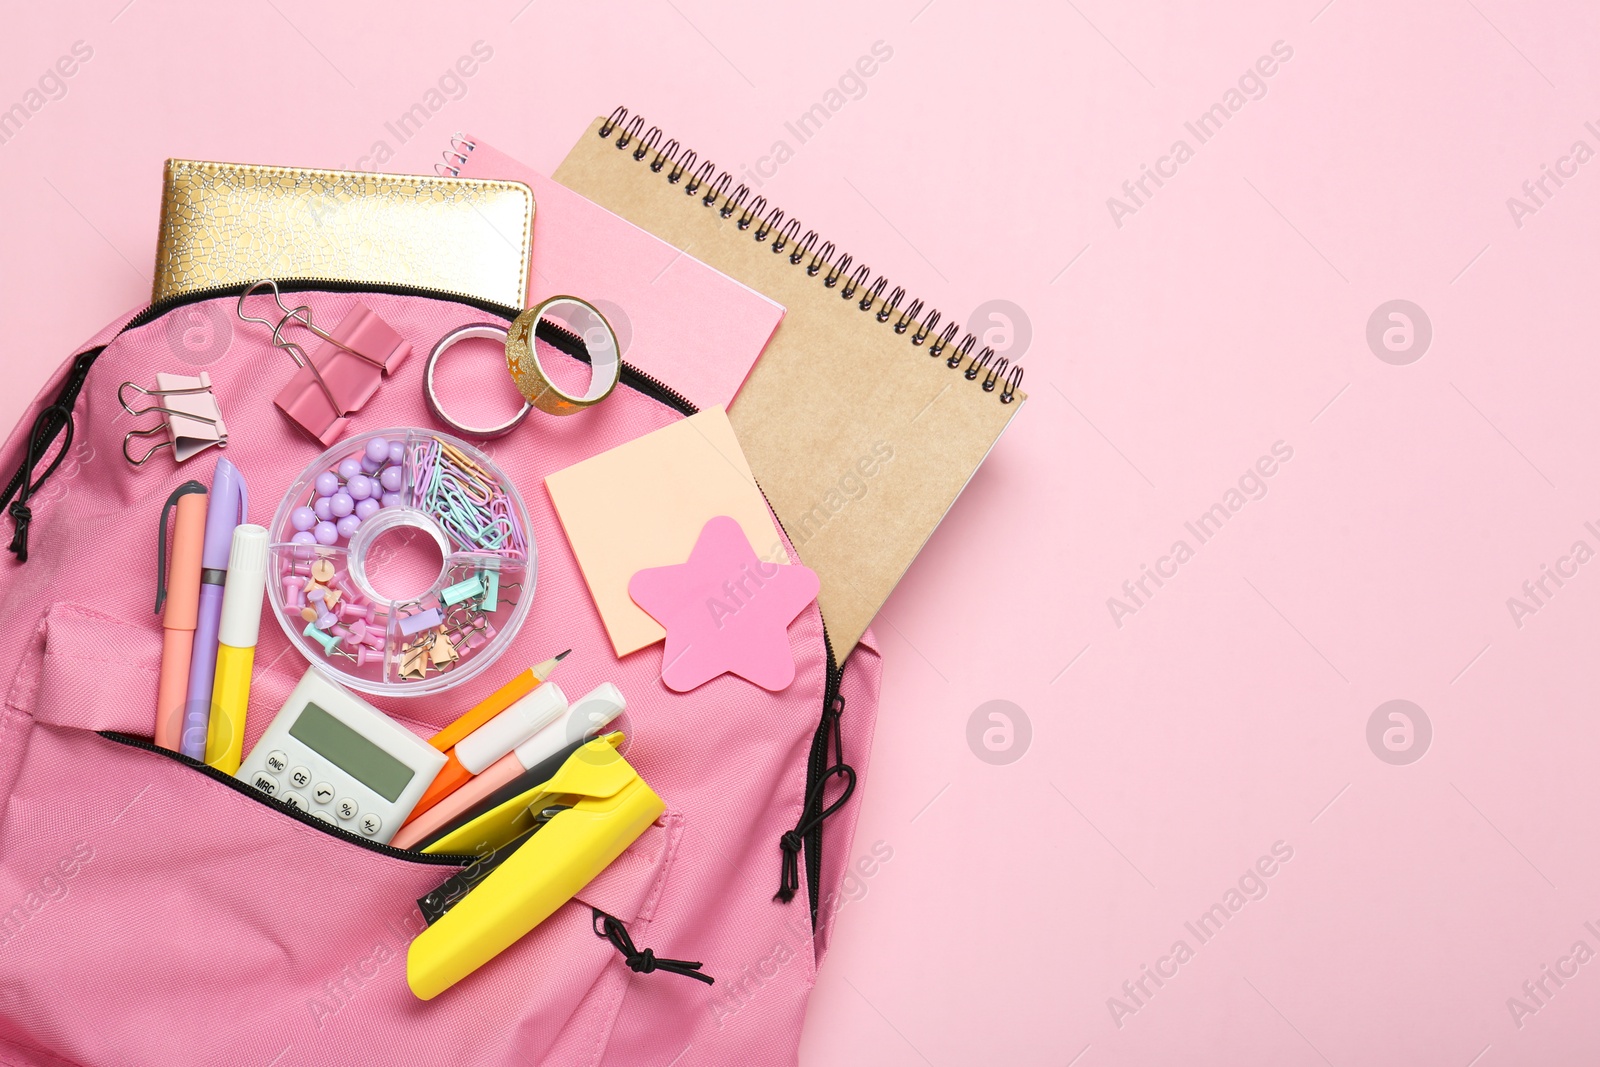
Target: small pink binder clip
x=343 y=373
x=190 y=423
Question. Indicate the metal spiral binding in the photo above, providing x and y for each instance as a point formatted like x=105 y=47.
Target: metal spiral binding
x=455 y=157
x=788 y=237
x=801 y=245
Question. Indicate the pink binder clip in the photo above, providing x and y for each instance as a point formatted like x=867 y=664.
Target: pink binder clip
x=343 y=373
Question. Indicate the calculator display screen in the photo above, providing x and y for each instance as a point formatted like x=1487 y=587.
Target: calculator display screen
x=346 y=749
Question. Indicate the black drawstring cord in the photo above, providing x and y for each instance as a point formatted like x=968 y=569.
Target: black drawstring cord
x=39 y=438
x=793 y=841
x=610 y=927
x=186 y=489
x=46 y=425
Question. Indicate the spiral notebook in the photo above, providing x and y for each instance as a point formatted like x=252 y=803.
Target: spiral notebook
x=864 y=418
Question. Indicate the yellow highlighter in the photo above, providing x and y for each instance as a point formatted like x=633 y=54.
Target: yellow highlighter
x=603 y=806
x=236 y=646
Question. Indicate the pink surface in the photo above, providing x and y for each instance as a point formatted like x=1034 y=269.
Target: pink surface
x=675 y=318
x=1169 y=355
x=725 y=610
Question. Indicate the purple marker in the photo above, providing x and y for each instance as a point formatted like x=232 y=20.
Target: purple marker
x=229 y=506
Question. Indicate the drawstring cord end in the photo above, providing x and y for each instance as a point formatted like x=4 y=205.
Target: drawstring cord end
x=40 y=436
x=789 y=879
x=22 y=516
x=794 y=840
x=643 y=961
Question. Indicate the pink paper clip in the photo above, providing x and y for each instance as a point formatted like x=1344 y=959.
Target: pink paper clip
x=343 y=373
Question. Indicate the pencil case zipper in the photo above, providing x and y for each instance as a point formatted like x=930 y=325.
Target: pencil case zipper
x=442 y=859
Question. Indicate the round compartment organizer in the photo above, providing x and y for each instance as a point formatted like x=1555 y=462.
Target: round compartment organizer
x=329 y=544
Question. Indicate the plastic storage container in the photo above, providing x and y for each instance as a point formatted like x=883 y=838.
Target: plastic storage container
x=330 y=551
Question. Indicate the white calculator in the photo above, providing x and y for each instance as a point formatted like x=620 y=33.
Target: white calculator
x=331 y=754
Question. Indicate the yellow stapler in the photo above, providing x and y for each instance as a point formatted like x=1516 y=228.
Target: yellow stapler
x=559 y=835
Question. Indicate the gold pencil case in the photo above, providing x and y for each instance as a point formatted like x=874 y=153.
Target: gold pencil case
x=227 y=224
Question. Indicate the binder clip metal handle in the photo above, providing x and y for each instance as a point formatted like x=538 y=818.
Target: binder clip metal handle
x=191 y=421
x=343 y=372
x=603 y=806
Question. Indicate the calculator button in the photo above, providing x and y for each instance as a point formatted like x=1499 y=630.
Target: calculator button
x=295 y=801
x=299 y=777
x=325 y=817
x=370 y=824
x=276 y=761
x=266 y=783
x=346 y=809
x=323 y=793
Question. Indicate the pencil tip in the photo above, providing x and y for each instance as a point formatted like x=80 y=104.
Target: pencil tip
x=564 y=655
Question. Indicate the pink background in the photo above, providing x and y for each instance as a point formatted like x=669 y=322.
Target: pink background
x=1227 y=313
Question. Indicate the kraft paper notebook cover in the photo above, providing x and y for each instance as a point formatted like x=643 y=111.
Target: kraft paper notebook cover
x=864 y=418
x=644 y=503
x=677 y=320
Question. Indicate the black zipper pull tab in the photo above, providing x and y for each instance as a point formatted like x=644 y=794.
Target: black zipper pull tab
x=186 y=489
x=812 y=816
x=46 y=425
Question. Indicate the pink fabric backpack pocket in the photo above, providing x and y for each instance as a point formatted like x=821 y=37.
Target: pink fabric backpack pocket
x=188 y=891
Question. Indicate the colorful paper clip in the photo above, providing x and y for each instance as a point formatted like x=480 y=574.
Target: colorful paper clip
x=191 y=421
x=343 y=373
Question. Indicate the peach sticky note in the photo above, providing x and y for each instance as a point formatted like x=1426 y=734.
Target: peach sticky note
x=643 y=504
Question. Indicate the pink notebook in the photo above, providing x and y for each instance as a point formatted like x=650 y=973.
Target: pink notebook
x=691 y=327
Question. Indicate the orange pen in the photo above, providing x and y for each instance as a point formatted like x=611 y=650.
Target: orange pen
x=454 y=775
x=179 y=589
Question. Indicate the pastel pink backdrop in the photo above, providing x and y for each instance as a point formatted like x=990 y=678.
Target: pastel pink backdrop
x=1226 y=314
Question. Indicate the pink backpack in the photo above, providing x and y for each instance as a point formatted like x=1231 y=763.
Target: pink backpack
x=155 y=912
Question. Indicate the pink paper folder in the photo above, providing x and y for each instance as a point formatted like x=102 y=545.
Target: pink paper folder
x=691 y=327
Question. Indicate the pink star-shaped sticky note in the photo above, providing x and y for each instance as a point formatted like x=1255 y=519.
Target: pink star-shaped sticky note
x=725 y=610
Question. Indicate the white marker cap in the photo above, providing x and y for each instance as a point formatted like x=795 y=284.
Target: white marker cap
x=511 y=727
x=240 y=623
x=589 y=716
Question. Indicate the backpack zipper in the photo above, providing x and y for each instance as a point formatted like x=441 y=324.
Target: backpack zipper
x=816 y=766
x=564 y=340
x=432 y=859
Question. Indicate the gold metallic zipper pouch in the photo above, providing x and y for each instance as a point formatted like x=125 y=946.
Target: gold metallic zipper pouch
x=229 y=224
